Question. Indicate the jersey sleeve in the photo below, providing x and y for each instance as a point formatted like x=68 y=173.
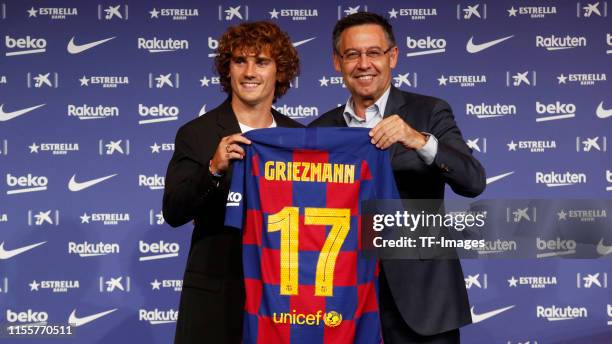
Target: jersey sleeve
x=235 y=206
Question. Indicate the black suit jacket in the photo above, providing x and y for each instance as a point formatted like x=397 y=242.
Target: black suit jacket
x=430 y=294
x=212 y=299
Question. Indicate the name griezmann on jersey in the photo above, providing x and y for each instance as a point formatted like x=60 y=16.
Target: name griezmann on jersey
x=299 y=171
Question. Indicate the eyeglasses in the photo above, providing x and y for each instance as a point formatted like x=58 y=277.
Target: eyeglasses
x=371 y=54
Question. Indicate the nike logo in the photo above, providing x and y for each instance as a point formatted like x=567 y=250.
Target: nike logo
x=496 y=178
x=75 y=186
x=601 y=112
x=6 y=254
x=75 y=321
x=297 y=44
x=603 y=249
x=5 y=116
x=474 y=48
x=75 y=49
x=476 y=318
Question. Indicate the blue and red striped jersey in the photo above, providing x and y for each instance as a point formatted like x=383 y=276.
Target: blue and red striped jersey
x=296 y=196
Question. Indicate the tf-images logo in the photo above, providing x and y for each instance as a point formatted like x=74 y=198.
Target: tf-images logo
x=295 y=14
x=55 y=13
x=413 y=13
x=174 y=13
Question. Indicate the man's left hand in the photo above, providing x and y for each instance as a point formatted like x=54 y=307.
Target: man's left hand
x=393 y=129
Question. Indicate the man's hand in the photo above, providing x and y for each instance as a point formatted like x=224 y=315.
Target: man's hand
x=393 y=129
x=228 y=149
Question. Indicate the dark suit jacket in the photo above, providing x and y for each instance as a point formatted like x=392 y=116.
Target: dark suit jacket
x=430 y=294
x=212 y=299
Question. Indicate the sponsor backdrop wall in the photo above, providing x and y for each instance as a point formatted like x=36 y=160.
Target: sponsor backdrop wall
x=92 y=93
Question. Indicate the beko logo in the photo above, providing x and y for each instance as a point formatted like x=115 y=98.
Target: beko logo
x=554 y=248
x=157 y=250
x=23 y=46
x=554 y=179
x=84 y=112
x=483 y=110
x=155 y=45
x=552 y=42
x=161 y=112
x=27 y=183
x=555 y=111
x=29 y=316
x=425 y=46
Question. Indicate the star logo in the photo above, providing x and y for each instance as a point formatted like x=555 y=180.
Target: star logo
x=32 y=12
x=274 y=14
x=512 y=282
x=85 y=218
x=204 y=81
x=442 y=81
x=34 y=147
x=34 y=285
x=401 y=79
x=512 y=12
x=324 y=81
x=512 y=146
x=155 y=284
x=393 y=13
x=562 y=79
x=562 y=215
x=84 y=81
x=155 y=148
x=154 y=13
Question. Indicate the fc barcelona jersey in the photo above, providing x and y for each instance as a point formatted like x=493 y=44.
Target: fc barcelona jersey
x=296 y=196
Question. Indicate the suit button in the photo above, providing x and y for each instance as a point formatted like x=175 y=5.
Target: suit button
x=444 y=167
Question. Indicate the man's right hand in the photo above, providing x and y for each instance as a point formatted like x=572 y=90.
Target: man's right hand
x=228 y=149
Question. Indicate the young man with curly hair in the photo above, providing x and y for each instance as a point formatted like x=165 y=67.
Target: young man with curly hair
x=255 y=64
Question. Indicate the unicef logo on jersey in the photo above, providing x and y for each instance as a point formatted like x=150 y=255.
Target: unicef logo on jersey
x=233 y=199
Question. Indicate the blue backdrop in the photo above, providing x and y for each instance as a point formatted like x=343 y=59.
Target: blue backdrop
x=92 y=94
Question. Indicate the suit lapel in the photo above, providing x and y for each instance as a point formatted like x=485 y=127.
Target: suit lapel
x=394 y=103
x=226 y=119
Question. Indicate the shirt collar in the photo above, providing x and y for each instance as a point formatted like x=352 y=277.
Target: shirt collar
x=375 y=110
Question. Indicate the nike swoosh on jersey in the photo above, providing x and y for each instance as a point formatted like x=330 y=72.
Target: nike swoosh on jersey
x=474 y=48
x=476 y=318
x=76 y=321
x=74 y=186
x=602 y=249
x=6 y=254
x=297 y=44
x=5 y=116
x=496 y=178
x=603 y=113
x=75 y=49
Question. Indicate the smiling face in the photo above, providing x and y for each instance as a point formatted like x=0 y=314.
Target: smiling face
x=366 y=78
x=253 y=77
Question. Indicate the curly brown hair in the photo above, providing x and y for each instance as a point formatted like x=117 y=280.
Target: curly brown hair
x=255 y=38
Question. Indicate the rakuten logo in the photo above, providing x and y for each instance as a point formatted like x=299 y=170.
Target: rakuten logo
x=28 y=317
x=153 y=182
x=28 y=183
x=164 y=113
x=553 y=179
x=23 y=46
x=158 y=250
x=555 y=111
x=426 y=46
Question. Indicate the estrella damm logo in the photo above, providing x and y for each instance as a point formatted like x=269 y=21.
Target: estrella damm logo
x=330 y=319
